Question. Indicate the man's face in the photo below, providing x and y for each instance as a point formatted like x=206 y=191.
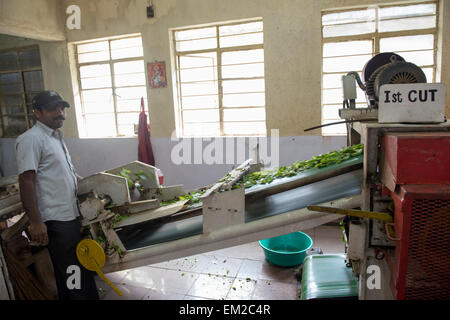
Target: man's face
x=51 y=117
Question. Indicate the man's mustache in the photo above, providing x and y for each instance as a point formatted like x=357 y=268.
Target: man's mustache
x=59 y=118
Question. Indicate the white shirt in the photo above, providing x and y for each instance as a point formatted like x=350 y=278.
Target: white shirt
x=43 y=150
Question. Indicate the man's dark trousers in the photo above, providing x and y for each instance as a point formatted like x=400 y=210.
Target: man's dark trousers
x=63 y=237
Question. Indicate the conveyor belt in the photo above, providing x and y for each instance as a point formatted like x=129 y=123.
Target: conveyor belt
x=147 y=234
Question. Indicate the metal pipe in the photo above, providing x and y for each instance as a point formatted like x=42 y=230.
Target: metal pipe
x=339 y=122
x=354 y=213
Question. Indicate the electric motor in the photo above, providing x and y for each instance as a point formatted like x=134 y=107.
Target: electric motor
x=388 y=68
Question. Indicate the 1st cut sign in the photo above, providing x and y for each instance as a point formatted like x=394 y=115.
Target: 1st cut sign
x=412 y=103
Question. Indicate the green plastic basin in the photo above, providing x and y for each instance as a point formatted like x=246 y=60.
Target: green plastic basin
x=287 y=250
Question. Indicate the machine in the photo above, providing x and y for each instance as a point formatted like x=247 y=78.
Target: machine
x=407 y=175
x=394 y=197
x=138 y=222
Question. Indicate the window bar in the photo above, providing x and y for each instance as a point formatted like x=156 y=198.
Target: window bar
x=83 y=111
x=387 y=34
x=407 y=17
x=231 y=49
x=223 y=36
x=20 y=69
x=107 y=61
x=180 y=95
x=22 y=87
x=113 y=85
x=219 y=82
x=384 y=6
x=179 y=107
x=376 y=38
x=435 y=42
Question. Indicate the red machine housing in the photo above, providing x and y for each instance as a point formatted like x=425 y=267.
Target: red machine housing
x=416 y=169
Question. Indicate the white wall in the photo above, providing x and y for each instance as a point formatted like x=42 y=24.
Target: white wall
x=36 y=19
x=292 y=40
x=95 y=155
x=292 y=48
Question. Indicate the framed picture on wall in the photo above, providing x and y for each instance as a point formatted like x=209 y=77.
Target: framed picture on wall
x=157 y=74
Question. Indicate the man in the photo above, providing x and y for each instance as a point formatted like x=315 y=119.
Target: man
x=48 y=189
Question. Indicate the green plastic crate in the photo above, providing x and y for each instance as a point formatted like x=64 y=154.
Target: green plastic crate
x=327 y=277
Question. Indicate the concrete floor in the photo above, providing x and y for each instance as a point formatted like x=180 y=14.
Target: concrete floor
x=236 y=273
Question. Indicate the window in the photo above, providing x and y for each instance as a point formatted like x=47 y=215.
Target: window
x=20 y=81
x=352 y=37
x=220 y=79
x=112 y=83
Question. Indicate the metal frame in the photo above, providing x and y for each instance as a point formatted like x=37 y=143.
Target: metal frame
x=113 y=87
x=376 y=36
x=222 y=215
x=218 y=50
x=370 y=133
x=20 y=70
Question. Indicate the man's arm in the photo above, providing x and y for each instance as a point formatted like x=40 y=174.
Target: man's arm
x=38 y=229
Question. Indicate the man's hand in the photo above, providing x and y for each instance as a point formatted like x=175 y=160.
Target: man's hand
x=37 y=229
x=38 y=233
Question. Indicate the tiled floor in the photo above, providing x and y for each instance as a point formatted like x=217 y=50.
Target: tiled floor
x=236 y=273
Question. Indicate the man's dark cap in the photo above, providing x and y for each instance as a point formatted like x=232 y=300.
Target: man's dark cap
x=48 y=100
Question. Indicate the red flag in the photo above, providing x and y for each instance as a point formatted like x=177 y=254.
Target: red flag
x=145 y=151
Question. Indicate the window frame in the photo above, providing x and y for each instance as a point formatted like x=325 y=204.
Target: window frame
x=376 y=37
x=110 y=62
x=20 y=70
x=218 y=50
